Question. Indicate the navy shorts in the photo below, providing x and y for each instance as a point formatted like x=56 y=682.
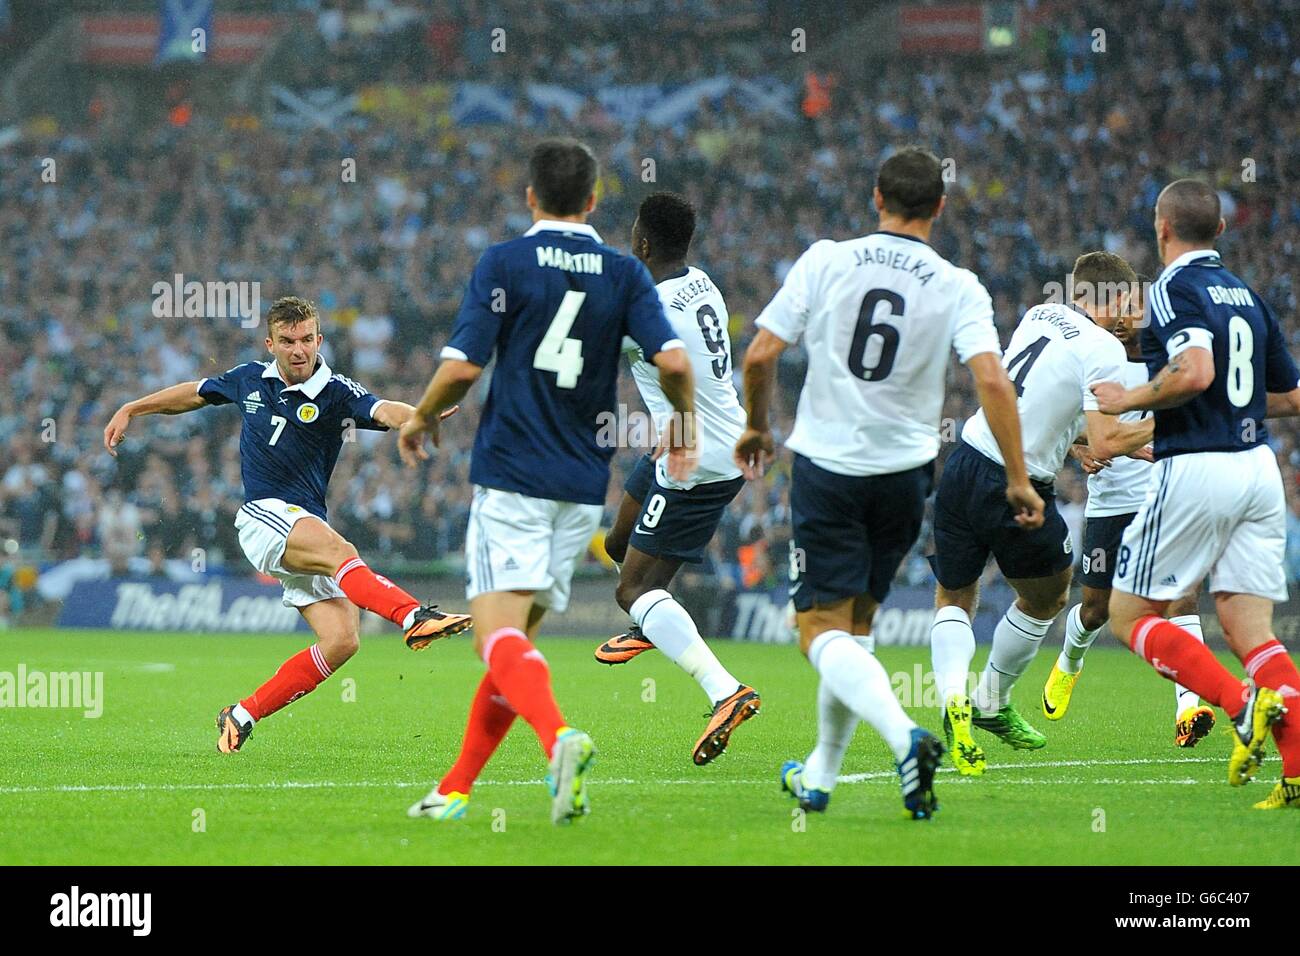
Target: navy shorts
x=851 y=532
x=641 y=478
x=1101 y=541
x=676 y=524
x=972 y=520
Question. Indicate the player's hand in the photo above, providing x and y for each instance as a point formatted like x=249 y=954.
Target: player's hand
x=754 y=452
x=1145 y=453
x=443 y=416
x=1026 y=505
x=1110 y=397
x=116 y=430
x=1089 y=462
x=410 y=440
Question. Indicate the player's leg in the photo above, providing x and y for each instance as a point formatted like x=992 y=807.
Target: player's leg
x=1016 y=639
x=623 y=647
x=853 y=532
x=967 y=509
x=616 y=540
x=1193 y=720
x=337 y=627
x=1248 y=630
x=1102 y=535
x=1246 y=580
x=1037 y=564
x=313 y=547
x=1083 y=623
x=952 y=648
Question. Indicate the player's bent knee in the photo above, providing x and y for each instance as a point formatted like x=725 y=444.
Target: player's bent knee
x=339 y=648
x=1093 y=615
x=627 y=592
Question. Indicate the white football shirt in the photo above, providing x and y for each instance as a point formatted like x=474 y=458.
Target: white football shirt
x=698 y=315
x=1121 y=488
x=877 y=316
x=1055 y=354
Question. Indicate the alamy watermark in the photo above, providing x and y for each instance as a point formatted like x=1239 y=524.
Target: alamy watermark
x=74 y=690
x=179 y=299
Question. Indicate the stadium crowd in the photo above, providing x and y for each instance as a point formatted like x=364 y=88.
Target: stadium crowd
x=1055 y=149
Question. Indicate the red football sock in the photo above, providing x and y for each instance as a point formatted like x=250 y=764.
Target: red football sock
x=1271 y=666
x=297 y=676
x=374 y=592
x=519 y=670
x=490 y=718
x=1179 y=656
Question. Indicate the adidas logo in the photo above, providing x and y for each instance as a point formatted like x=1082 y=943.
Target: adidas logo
x=1169 y=582
x=252 y=402
x=510 y=565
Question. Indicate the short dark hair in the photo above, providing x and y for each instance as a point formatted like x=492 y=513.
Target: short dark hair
x=1097 y=268
x=563 y=174
x=290 y=310
x=1191 y=208
x=911 y=183
x=668 y=221
x=1103 y=279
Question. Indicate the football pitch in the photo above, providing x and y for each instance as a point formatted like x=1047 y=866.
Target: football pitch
x=328 y=780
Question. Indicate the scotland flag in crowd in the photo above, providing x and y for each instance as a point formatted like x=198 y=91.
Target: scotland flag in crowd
x=177 y=22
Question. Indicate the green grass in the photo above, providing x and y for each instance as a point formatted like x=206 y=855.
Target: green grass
x=328 y=781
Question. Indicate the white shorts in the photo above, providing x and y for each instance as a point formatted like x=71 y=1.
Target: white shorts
x=263 y=527
x=1221 y=513
x=518 y=543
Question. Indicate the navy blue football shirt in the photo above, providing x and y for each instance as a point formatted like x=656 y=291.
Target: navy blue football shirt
x=553 y=306
x=1198 y=302
x=291 y=434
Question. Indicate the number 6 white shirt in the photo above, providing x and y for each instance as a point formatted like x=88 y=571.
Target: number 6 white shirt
x=877 y=316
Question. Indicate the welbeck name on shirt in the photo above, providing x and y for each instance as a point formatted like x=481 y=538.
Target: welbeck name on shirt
x=74 y=908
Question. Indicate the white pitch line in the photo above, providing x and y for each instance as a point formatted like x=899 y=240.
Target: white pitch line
x=871 y=777
x=1132 y=762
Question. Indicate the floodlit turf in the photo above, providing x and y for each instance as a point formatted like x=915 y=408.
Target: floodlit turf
x=328 y=780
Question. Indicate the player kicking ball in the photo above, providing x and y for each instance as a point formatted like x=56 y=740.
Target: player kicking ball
x=1116 y=489
x=296 y=414
x=1056 y=352
x=663 y=522
x=877 y=316
x=553 y=307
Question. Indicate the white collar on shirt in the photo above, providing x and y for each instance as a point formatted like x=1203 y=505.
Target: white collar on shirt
x=554 y=225
x=311 y=388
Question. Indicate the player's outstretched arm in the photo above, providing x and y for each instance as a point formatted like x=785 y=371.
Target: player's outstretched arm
x=173 y=400
x=678 y=384
x=997 y=396
x=393 y=414
x=1108 y=437
x=1188 y=373
x=1283 y=404
x=445 y=390
x=756 y=449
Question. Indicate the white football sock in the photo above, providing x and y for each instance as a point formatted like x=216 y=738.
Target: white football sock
x=1015 y=641
x=952 y=648
x=1077 y=642
x=854 y=675
x=836 y=724
x=242 y=715
x=1183 y=697
x=666 y=624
